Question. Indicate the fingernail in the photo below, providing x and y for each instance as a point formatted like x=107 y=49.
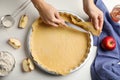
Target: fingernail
x=55 y=25
x=98 y=28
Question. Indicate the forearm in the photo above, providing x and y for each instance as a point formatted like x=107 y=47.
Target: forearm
x=88 y=2
x=38 y=3
x=94 y=13
x=87 y=5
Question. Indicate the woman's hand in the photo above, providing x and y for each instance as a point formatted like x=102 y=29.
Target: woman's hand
x=95 y=14
x=49 y=14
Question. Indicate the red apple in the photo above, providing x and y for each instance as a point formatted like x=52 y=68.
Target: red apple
x=108 y=43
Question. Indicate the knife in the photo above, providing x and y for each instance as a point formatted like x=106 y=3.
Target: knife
x=73 y=26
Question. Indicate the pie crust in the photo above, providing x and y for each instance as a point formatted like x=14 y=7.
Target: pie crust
x=88 y=26
x=59 y=49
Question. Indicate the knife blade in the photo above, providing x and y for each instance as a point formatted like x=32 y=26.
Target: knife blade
x=73 y=26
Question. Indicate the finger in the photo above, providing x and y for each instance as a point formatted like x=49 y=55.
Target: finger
x=53 y=24
x=95 y=22
x=50 y=23
x=62 y=21
x=57 y=15
x=59 y=22
x=101 y=22
x=64 y=24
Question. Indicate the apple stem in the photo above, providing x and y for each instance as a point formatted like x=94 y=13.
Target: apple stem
x=111 y=42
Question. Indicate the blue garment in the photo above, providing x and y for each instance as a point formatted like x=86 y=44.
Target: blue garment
x=105 y=65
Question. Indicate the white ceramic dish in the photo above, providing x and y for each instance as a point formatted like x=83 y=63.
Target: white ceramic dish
x=38 y=65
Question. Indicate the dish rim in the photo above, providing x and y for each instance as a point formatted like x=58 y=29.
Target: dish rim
x=51 y=72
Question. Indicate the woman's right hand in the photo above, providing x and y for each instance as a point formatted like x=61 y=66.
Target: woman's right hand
x=49 y=14
x=95 y=14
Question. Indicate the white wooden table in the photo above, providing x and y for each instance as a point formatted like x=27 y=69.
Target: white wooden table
x=8 y=6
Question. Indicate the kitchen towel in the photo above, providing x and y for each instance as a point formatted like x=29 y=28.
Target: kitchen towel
x=106 y=65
